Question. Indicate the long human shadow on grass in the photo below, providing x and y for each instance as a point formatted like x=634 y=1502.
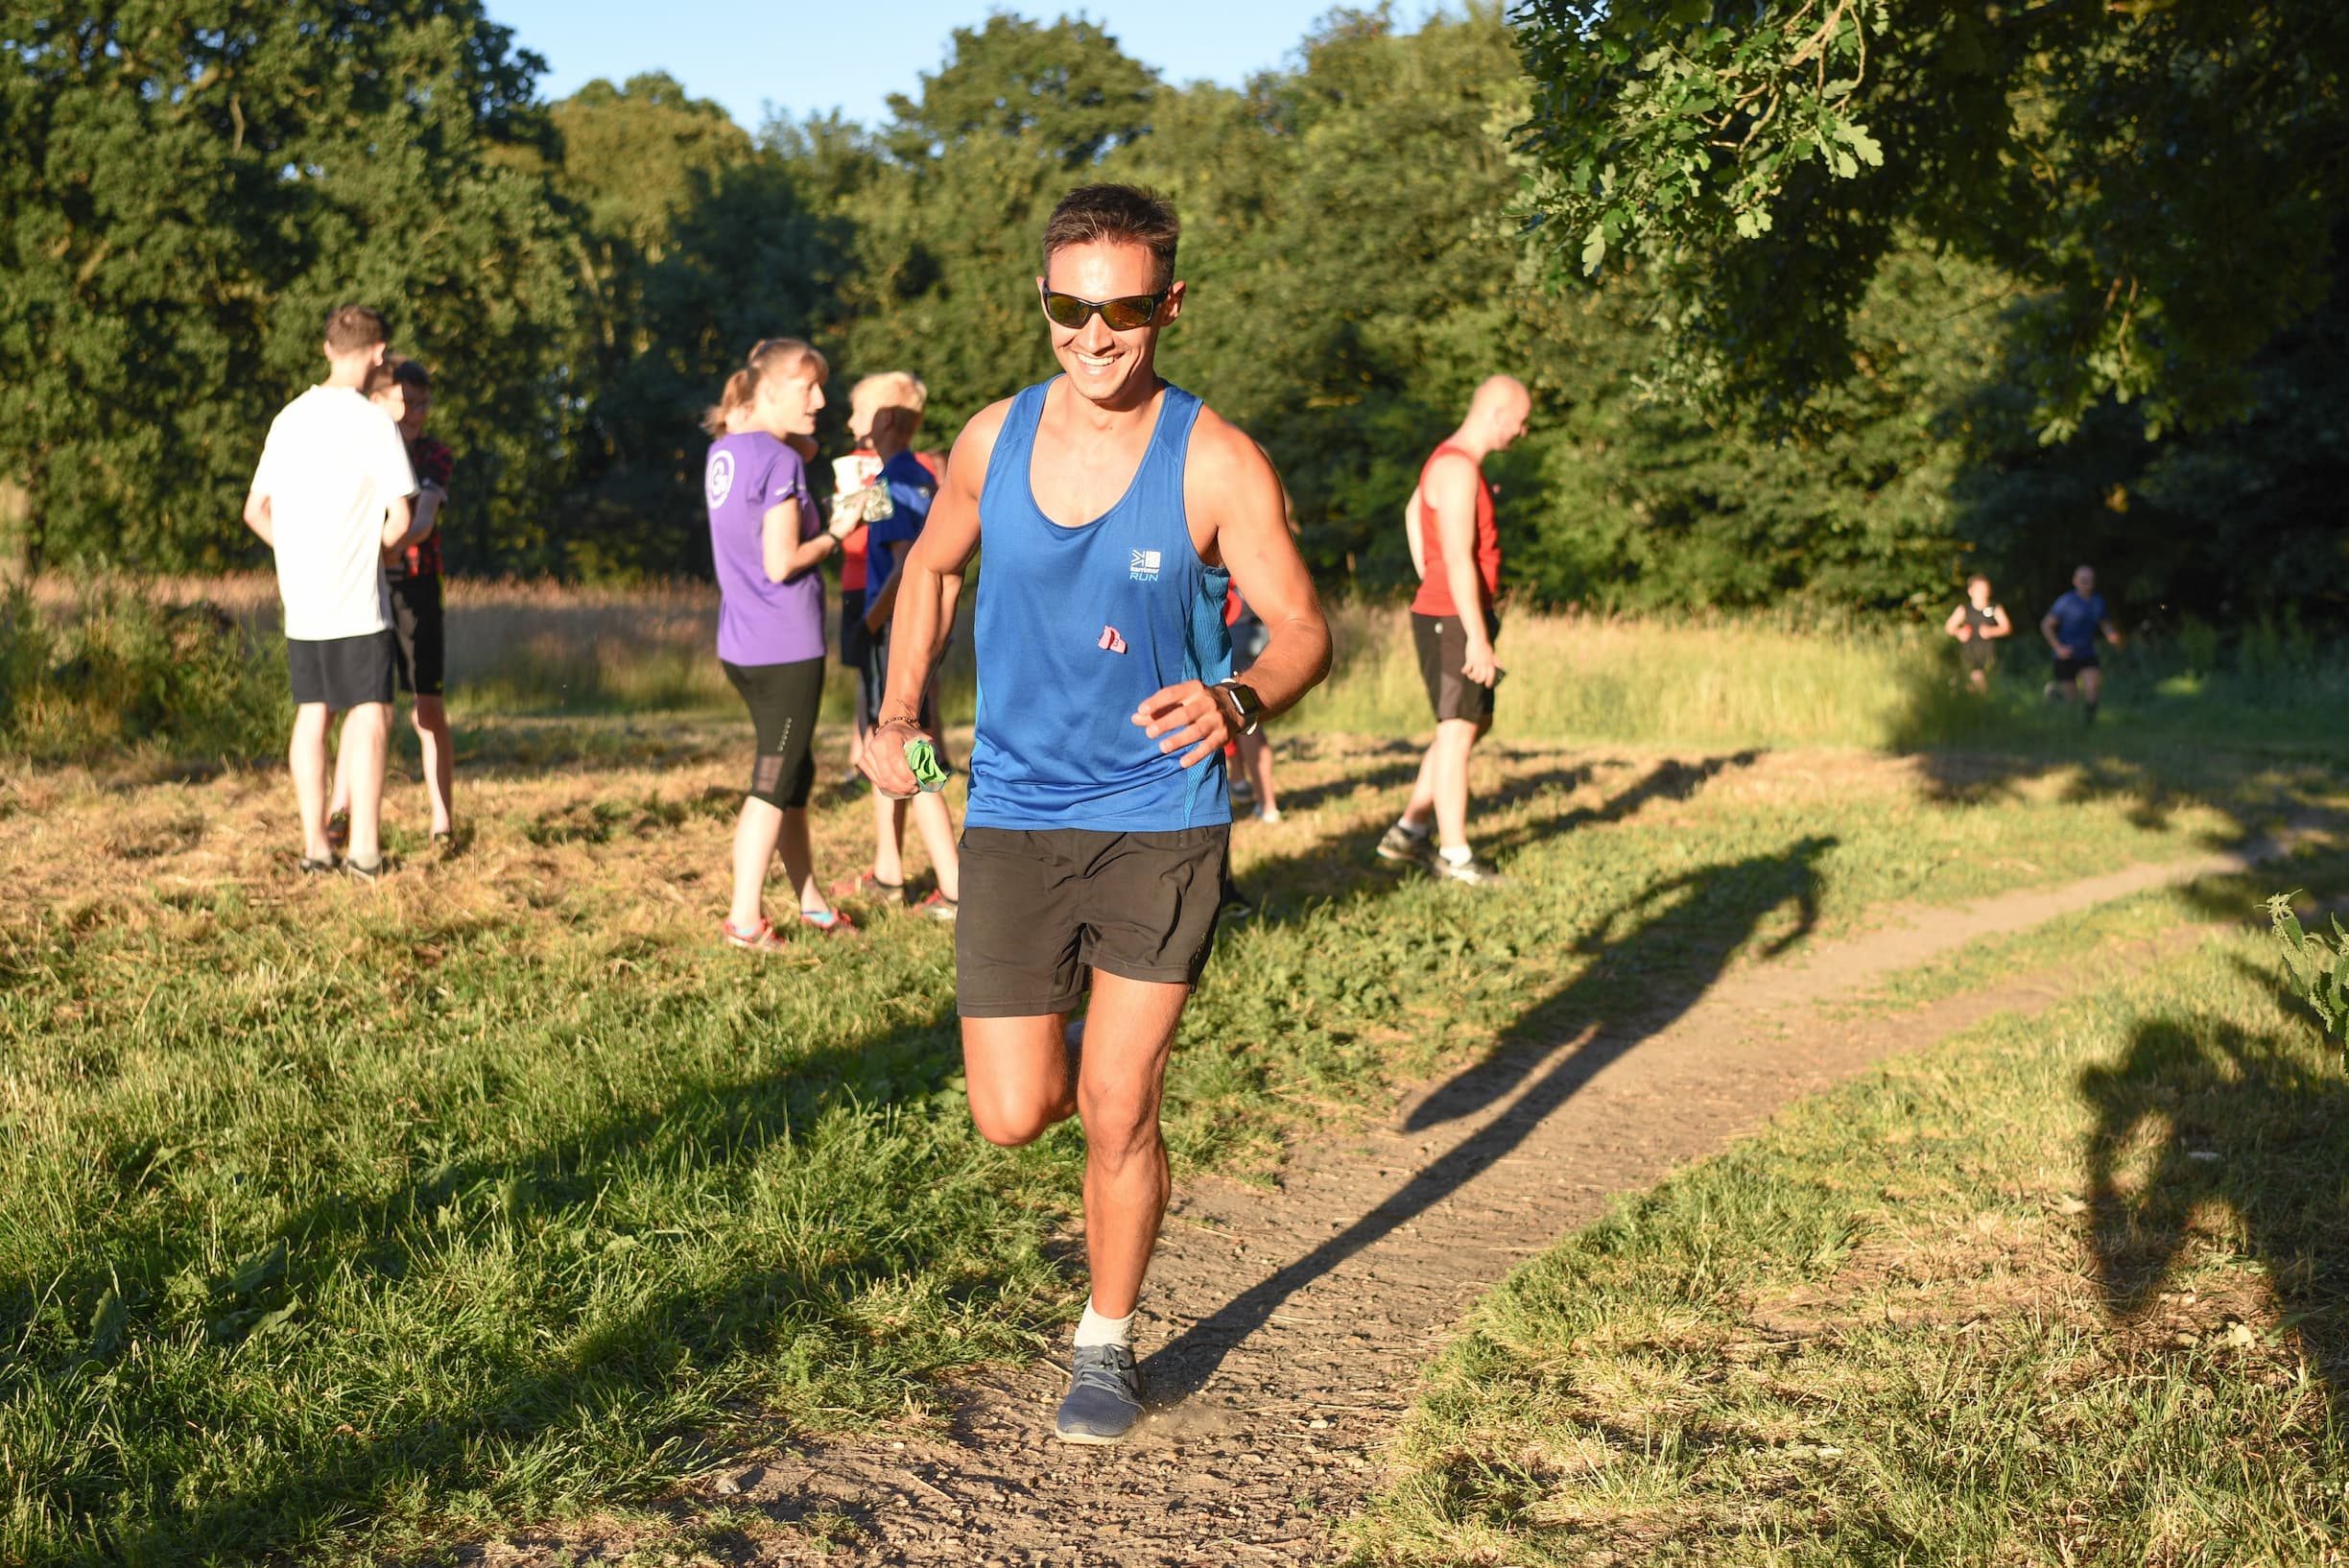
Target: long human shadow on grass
x=2256 y=1124
x=1346 y=863
x=1683 y=933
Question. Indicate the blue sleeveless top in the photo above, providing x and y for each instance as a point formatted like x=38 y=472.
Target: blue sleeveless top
x=1075 y=627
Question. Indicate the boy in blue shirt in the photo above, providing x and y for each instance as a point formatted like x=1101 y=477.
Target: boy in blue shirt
x=2070 y=627
x=885 y=412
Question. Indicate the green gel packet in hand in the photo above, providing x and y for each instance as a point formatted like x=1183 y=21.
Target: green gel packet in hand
x=923 y=757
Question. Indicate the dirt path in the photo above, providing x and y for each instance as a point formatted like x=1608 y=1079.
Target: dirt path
x=1287 y=1328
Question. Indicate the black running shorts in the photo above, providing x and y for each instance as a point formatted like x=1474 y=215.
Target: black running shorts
x=1978 y=654
x=783 y=700
x=2070 y=669
x=420 y=639
x=343 y=673
x=1040 y=908
x=1443 y=646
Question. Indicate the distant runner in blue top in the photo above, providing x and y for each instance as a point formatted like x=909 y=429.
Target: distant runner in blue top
x=1114 y=510
x=2070 y=627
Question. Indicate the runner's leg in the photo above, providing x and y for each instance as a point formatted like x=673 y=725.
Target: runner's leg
x=306 y=756
x=936 y=825
x=1130 y=1028
x=755 y=834
x=1017 y=1073
x=889 y=839
x=367 y=739
x=430 y=716
x=1454 y=739
x=1420 y=814
x=2091 y=687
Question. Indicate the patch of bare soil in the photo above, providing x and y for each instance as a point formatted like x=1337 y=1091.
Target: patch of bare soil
x=1290 y=1327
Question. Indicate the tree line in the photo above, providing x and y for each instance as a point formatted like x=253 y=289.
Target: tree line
x=1826 y=302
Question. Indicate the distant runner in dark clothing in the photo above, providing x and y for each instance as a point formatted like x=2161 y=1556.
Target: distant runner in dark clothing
x=1976 y=624
x=2070 y=627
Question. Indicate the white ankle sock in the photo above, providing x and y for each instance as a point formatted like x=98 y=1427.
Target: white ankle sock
x=1095 y=1329
x=1460 y=855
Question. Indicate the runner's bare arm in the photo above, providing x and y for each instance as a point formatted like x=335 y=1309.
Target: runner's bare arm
x=398 y=518
x=2112 y=633
x=928 y=580
x=2047 y=630
x=1956 y=625
x=1234 y=499
x=1413 y=536
x=783 y=554
x=257 y=517
x=1450 y=489
x=2000 y=626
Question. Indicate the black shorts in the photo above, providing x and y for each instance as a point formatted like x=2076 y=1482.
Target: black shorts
x=340 y=671
x=1041 y=907
x=784 y=699
x=854 y=650
x=2071 y=668
x=420 y=637
x=1978 y=654
x=1443 y=642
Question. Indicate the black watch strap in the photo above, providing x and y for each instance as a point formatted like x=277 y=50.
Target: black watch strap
x=1244 y=703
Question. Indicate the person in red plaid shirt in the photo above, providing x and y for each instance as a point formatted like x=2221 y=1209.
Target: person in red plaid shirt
x=403 y=389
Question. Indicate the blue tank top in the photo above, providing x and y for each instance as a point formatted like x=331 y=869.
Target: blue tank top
x=1075 y=627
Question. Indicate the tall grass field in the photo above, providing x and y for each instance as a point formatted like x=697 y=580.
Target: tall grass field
x=191 y=669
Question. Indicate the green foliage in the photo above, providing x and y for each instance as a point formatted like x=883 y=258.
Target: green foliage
x=2319 y=970
x=2161 y=177
x=691 y=244
x=118 y=671
x=185 y=196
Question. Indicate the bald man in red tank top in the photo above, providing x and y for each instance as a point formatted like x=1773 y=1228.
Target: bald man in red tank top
x=1454 y=624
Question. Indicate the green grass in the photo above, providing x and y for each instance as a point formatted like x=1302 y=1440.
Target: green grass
x=336 y=1222
x=2065 y=1291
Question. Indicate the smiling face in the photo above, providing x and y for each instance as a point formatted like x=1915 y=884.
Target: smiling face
x=1103 y=367
x=2083 y=583
x=787 y=404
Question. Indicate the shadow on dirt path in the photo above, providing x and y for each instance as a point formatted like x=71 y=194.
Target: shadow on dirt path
x=1294 y=1323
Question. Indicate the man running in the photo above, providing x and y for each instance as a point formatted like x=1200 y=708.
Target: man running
x=330 y=498
x=1114 y=509
x=1976 y=624
x=1454 y=624
x=2070 y=627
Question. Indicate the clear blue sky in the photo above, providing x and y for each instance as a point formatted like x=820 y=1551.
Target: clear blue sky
x=802 y=57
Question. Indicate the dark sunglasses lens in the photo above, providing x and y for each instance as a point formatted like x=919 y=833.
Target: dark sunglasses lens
x=1066 y=309
x=1126 y=315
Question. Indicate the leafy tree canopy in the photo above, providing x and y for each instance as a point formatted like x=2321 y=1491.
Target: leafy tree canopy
x=2163 y=177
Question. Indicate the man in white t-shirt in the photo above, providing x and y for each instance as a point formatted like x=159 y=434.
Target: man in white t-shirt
x=331 y=499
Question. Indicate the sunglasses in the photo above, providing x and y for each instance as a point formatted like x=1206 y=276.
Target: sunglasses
x=1124 y=315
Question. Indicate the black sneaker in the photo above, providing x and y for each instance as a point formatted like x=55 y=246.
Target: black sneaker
x=1237 y=905
x=363 y=873
x=1409 y=847
x=1475 y=870
x=1105 y=1397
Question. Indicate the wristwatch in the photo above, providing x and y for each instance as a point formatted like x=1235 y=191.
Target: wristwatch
x=1245 y=703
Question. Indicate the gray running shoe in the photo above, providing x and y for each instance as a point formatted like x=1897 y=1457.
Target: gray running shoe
x=1475 y=870
x=1410 y=848
x=1105 y=1397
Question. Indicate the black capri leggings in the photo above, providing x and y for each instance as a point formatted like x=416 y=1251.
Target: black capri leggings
x=783 y=700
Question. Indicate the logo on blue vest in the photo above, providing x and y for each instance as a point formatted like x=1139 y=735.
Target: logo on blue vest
x=1142 y=566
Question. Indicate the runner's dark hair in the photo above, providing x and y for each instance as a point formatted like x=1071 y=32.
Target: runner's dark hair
x=1118 y=215
x=411 y=373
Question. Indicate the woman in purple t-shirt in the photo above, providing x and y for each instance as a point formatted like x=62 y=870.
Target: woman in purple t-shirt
x=767 y=540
